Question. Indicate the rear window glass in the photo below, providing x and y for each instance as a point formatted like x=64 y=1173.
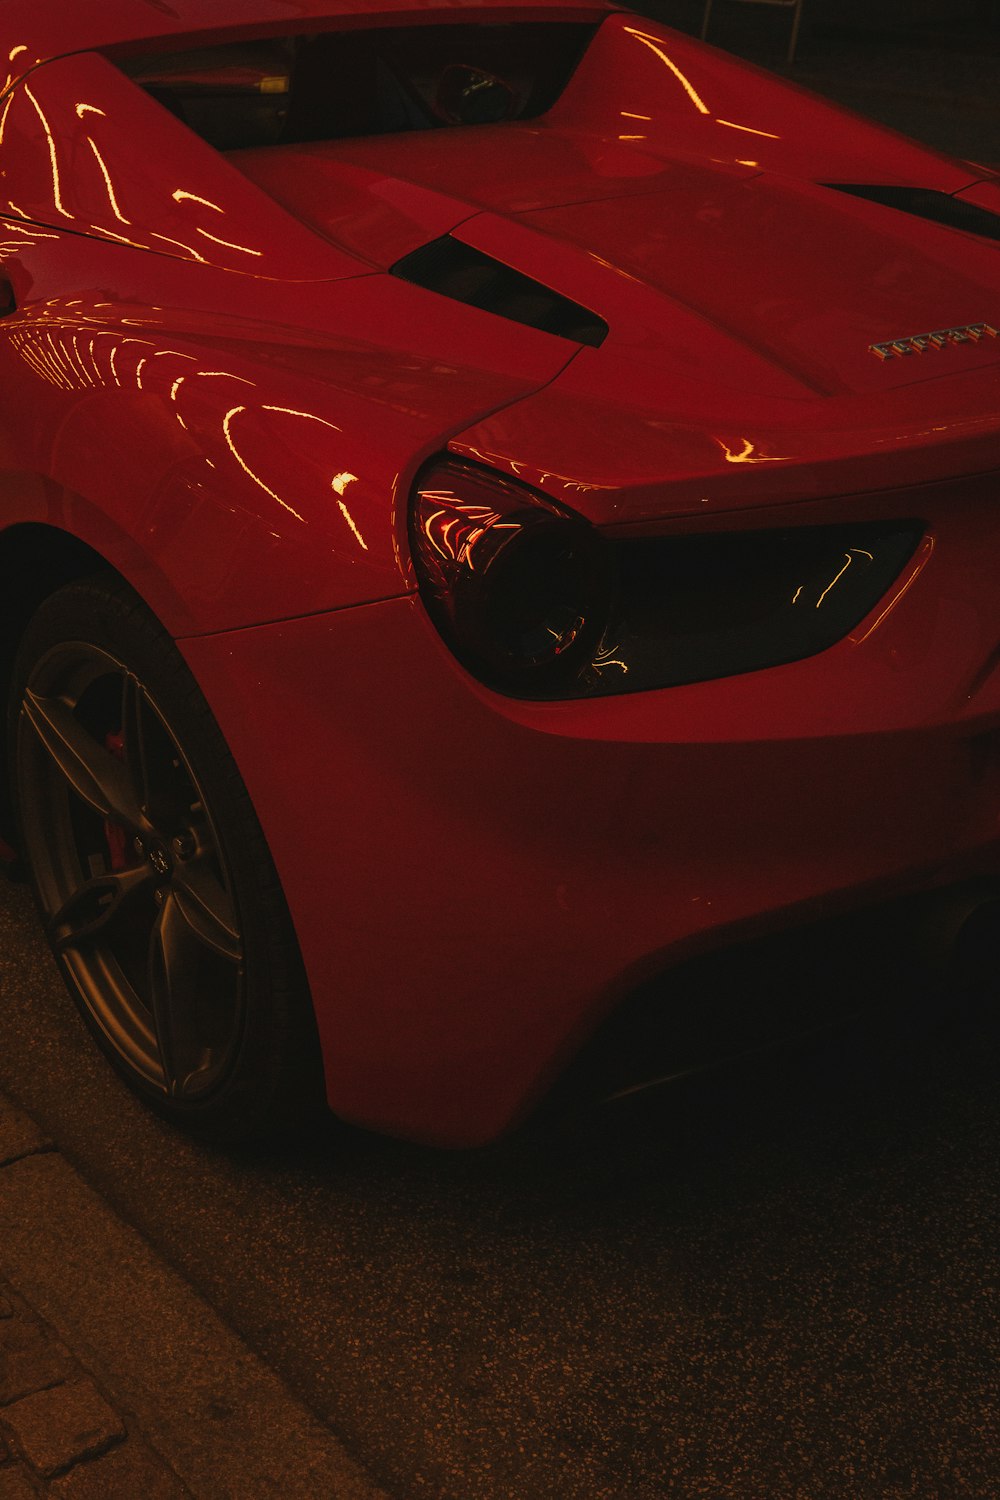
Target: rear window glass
x=356 y=83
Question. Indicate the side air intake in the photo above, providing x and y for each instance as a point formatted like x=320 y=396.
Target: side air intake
x=466 y=275
x=926 y=203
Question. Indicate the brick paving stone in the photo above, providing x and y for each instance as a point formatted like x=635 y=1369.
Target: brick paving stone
x=14 y=1486
x=129 y=1472
x=62 y=1426
x=30 y=1358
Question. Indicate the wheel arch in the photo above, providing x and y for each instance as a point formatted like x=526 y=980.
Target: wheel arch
x=36 y=559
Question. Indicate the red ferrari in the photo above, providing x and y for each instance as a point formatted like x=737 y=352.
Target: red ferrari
x=497 y=499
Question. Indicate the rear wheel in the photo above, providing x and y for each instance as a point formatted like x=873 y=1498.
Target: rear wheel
x=157 y=891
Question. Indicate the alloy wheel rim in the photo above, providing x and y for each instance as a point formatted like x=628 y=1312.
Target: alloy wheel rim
x=131 y=875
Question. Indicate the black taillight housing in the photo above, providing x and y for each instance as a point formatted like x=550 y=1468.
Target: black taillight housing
x=521 y=590
x=537 y=603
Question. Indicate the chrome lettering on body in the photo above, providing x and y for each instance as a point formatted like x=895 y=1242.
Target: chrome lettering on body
x=923 y=343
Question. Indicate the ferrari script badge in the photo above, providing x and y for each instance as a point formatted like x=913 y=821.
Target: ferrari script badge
x=922 y=343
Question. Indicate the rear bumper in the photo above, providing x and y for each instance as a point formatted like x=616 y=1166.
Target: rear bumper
x=477 y=882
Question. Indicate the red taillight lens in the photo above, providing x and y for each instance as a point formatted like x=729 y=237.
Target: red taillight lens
x=519 y=589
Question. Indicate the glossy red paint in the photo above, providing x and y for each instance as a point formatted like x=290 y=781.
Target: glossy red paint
x=985 y=194
x=211 y=378
x=495 y=875
x=658 y=91
x=75 y=155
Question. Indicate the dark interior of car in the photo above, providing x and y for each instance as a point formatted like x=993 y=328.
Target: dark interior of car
x=356 y=83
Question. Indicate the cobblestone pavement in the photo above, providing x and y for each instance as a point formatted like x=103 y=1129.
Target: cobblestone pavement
x=117 y=1380
x=60 y=1433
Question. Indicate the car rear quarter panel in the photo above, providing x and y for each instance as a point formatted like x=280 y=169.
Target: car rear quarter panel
x=235 y=447
x=477 y=881
x=650 y=89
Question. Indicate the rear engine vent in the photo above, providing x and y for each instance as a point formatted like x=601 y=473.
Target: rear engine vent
x=466 y=275
x=925 y=203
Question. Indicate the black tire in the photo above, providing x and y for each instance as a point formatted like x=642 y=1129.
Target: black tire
x=158 y=893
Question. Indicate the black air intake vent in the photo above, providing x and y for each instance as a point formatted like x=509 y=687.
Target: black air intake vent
x=466 y=275
x=925 y=203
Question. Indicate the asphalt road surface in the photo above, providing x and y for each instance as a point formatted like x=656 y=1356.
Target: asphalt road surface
x=778 y=1282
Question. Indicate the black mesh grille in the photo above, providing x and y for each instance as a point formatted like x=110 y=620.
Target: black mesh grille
x=925 y=203
x=466 y=275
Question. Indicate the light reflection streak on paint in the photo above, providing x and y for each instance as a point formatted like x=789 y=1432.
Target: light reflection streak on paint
x=228 y=244
x=628 y=114
x=928 y=548
x=113 y=365
x=404 y=565
x=120 y=238
x=731 y=125
x=71 y=356
x=352 y=524
x=180 y=196
x=310 y=417
x=176 y=386
x=144 y=342
x=34 y=360
x=60 y=379
x=89 y=109
x=59 y=357
x=57 y=367
x=92 y=351
x=6 y=112
x=685 y=83
x=749 y=454
x=16 y=51
x=56 y=193
x=224 y=375
x=84 y=372
x=227 y=422
x=138 y=371
x=56 y=374
x=107 y=182
x=13 y=228
x=37 y=360
x=181 y=246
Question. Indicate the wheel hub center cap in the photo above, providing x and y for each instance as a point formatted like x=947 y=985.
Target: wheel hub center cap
x=159 y=859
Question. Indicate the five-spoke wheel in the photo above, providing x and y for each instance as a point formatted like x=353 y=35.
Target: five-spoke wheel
x=147 y=862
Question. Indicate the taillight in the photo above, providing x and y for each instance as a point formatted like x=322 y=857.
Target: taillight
x=520 y=590
x=537 y=603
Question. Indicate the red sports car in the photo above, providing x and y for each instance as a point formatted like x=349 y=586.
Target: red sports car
x=497 y=499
